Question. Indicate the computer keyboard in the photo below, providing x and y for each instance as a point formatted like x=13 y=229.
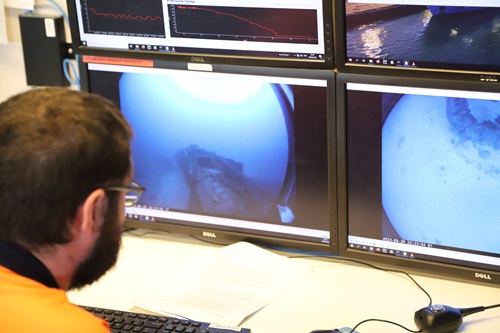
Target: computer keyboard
x=133 y=322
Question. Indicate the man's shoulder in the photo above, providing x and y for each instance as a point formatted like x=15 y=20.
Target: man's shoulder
x=72 y=318
x=26 y=304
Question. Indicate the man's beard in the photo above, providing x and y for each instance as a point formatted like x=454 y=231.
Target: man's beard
x=104 y=254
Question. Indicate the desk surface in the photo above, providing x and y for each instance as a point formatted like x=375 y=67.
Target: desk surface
x=334 y=295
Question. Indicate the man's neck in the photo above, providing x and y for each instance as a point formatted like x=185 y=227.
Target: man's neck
x=60 y=261
x=19 y=260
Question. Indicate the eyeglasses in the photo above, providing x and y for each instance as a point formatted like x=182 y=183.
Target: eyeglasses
x=133 y=192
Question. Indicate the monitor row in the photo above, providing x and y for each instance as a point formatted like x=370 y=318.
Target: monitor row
x=401 y=171
x=366 y=36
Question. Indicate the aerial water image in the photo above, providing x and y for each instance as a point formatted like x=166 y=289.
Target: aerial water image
x=449 y=37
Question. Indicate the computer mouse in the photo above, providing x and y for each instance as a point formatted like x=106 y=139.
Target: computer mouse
x=326 y=331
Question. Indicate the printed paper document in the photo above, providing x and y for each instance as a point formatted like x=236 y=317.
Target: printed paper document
x=226 y=285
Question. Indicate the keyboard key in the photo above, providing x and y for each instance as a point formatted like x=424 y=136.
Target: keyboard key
x=152 y=325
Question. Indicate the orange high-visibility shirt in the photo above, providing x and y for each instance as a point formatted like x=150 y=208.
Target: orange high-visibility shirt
x=29 y=306
x=31 y=301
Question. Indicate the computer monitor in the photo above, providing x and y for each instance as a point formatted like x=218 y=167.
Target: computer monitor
x=230 y=154
x=284 y=34
x=419 y=36
x=420 y=174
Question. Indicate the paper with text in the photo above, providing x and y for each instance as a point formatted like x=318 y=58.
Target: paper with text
x=226 y=285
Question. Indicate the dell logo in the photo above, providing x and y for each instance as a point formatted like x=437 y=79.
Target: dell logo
x=483 y=276
x=209 y=234
x=197 y=59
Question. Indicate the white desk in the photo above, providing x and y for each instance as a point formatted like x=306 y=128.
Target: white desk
x=335 y=295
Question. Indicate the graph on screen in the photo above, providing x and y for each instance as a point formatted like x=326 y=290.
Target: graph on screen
x=125 y=18
x=292 y=32
x=244 y=23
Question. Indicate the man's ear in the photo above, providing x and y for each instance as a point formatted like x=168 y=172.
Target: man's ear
x=93 y=211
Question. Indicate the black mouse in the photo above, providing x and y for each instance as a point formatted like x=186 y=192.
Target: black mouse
x=438 y=319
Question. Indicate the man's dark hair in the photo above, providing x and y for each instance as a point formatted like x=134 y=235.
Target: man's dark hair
x=56 y=147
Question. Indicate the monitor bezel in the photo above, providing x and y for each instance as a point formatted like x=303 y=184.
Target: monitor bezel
x=344 y=66
x=327 y=63
x=213 y=234
x=444 y=270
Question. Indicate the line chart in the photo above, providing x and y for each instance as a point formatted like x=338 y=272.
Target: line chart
x=124 y=17
x=244 y=23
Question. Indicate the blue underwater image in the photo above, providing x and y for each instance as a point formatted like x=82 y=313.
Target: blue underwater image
x=211 y=146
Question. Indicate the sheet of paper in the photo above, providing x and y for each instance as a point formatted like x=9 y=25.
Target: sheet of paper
x=226 y=285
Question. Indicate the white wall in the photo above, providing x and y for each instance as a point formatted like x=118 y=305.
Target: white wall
x=12 y=73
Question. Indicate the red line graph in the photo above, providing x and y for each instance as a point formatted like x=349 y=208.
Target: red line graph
x=274 y=32
x=127 y=16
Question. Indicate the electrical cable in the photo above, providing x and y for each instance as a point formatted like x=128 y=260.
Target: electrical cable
x=450 y=320
x=381 y=269
x=60 y=9
x=67 y=63
x=372 y=266
x=383 y=321
x=492 y=306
